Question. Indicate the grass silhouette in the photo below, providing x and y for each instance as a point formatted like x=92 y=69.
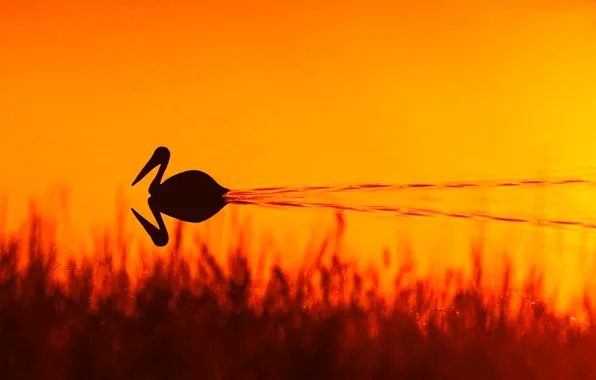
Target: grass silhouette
x=326 y=322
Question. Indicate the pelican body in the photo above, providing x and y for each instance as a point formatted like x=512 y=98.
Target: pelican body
x=191 y=196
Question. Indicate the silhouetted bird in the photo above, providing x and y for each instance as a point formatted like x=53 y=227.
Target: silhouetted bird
x=191 y=196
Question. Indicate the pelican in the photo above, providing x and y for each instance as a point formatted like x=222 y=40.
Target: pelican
x=191 y=196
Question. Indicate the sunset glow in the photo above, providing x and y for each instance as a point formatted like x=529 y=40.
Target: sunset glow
x=309 y=93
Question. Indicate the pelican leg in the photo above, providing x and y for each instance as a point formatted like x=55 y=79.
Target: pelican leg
x=159 y=234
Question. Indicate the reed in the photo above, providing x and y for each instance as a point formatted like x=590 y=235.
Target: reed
x=328 y=321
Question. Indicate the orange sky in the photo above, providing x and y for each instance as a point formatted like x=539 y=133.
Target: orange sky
x=296 y=93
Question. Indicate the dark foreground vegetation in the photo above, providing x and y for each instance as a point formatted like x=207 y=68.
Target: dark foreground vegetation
x=327 y=322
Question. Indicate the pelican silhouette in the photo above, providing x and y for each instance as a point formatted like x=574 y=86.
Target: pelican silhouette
x=191 y=196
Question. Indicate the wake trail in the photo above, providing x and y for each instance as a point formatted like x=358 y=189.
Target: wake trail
x=486 y=184
x=294 y=197
x=415 y=212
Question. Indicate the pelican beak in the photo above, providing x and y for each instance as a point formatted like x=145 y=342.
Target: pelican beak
x=160 y=156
